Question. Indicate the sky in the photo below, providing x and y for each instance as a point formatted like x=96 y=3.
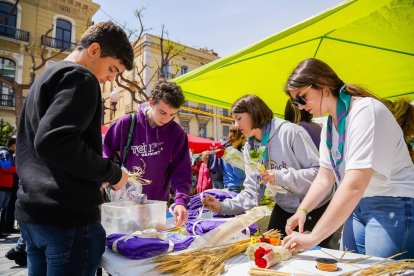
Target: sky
x=224 y=26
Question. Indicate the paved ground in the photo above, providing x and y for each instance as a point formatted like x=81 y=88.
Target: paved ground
x=8 y=267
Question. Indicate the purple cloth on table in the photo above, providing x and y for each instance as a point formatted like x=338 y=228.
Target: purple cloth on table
x=193 y=214
x=195 y=203
x=195 y=200
x=137 y=248
x=203 y=226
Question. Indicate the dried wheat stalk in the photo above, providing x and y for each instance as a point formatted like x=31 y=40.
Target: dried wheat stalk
x=394 y=268
x=205 y=261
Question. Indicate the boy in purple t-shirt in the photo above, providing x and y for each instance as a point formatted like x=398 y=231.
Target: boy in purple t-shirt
x=158 y=147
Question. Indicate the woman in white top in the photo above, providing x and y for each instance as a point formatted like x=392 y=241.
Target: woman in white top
x=362 y=149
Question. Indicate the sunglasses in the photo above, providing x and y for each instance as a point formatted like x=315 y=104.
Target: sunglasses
x=300 y=100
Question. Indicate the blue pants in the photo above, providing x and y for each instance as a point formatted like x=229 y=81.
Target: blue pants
x=55 y=250
x=4 y=202
x=381 y=226
x=20 y=245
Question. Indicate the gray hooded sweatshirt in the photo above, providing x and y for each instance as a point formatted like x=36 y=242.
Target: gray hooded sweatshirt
x=294 y=157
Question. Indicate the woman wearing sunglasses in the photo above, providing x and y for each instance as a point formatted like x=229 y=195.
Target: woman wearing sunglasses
x=288 y=158
x=362 y=149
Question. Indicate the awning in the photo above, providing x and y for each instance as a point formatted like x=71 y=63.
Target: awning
x=367 y=42
x=199 y=144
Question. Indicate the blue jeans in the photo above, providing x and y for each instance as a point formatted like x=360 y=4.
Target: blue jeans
x=381 y=226
x=20 y=245
x=4 y=202
x=55 y=250
x=4 y=199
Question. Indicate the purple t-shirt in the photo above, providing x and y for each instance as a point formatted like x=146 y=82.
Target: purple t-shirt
x=161 y=153
x=137 y=248
x=314 y=131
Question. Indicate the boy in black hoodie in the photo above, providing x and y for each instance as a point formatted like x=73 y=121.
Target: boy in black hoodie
x=59 y=156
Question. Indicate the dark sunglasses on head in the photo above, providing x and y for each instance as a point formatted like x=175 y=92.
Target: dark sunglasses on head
x=300 y=100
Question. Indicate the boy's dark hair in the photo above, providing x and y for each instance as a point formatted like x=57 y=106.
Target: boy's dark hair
x=112 y=40
x=11 y=142
x=168 y=92
x=255 y=107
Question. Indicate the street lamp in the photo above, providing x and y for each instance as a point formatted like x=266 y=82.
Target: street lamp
x=113 y=98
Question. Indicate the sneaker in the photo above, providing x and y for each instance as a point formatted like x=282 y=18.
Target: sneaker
x=19 y=257
x=21 y=260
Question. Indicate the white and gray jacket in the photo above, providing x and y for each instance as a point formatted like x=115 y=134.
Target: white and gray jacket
x=295 y=159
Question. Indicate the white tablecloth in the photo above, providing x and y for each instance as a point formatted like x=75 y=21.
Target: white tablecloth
x=303 y=263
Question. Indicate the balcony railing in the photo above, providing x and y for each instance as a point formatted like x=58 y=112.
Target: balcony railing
x=57 y=43
x=166 y=75
x=11 y=32
x=7 y=100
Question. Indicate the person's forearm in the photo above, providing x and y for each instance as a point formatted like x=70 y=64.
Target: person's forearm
x=318 y=191
x=342 y=204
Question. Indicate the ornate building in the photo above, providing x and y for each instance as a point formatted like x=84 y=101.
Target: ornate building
x=36 y=31
x=197 y=119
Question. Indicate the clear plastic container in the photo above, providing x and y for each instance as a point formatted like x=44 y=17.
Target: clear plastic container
x=128 y=216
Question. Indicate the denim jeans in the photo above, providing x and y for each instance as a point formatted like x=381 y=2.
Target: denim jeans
x=381 y=226
x=55 y=250
x=20 y=245
x=4 y=199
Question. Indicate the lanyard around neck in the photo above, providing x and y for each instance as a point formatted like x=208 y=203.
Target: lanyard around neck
x=342 y=109
x=263 y=144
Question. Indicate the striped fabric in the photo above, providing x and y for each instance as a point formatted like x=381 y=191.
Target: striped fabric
x=342 y=108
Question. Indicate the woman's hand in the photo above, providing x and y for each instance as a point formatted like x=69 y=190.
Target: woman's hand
x=296 y=241
x=212 y=204
x=268 y=176
x=297 y=220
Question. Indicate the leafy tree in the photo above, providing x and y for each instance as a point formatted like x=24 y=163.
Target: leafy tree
x=6 y=132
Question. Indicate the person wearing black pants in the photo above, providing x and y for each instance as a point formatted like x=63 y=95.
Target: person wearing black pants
x=279 y=217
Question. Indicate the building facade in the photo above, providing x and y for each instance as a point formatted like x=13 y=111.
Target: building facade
x=42 y=31
x=197 y=119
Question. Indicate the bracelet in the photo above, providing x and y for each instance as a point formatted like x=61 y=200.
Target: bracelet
x=303 y=210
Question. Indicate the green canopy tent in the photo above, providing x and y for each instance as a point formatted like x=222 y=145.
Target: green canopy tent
x=367 y=42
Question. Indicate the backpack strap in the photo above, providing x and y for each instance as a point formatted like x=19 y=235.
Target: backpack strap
x=129 y=138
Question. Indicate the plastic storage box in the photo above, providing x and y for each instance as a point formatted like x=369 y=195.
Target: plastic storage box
x=128 y=216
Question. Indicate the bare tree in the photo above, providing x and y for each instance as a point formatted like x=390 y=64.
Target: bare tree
x=135 y=89
x=19 y=87
x=43 y=58
x=169 y=50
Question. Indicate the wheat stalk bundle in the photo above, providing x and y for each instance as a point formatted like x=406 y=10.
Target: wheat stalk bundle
x=393 y=268
x=208 y=261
